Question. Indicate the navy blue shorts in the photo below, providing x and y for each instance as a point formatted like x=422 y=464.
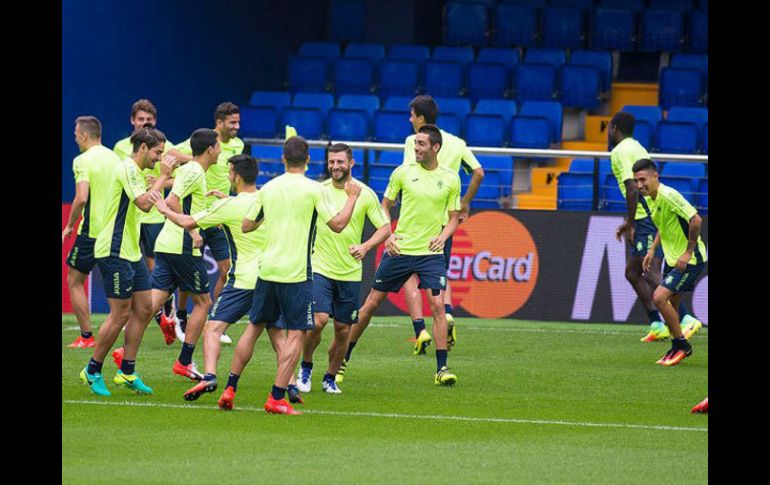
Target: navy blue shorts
x=681 y=281
x=448 y=251
x=147 y=236
x=122 y=278
x=393 y=272
x=339 y=299
x=232 y=304
x=183 y=271
x=81 y=257
x=644 y=235
x=216 y=240
x=292 y=301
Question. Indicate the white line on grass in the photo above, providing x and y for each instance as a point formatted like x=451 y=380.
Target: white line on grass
x=399 y=416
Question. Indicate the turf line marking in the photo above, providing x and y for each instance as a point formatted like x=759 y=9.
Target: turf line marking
x=399 y=416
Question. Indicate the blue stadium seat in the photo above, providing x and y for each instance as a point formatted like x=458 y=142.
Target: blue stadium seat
x=409 y=52
x=551 y=110
x=662 y=30
x=321 y=101
x=580 y=86
x=684 y=169
x=308 y=74
x=503 y=107
x=485 y=130
x=698 y=32
x=650 y=114
x=692 y=61
x=702 y=196
x=611 y=198
x=398 y=77
x=259 y=121
x=346 y=20
x=515 y=25
x=327 y=50
x=391 y=126
x=575 y=191
x=373 y=51
x=676 y=137
x=602 y=60
x=390 y=159
x=681 y=87
x=358 y=167
x=643 y=133
x=316 y=169
x=535 y=82
x=487 y=81
x=681 y=5
x=353 y=75
x=489 y=192
x=379 y=176
x=699 y=116
x=451 y=123
x=459 y=106
x=545 y=55
x=465 y=24
x=463 y=55
x=635 y=5
x=581 y=165
x=502 y=166
x=614 y=29
x=348 y=124
x=367 y=102
x=705 y=138
x=563 y=27
x=397 y=103
x=276 y=99
x=684 y=185
x=307 y=121
x=443 y=78
x=508 y=57
x=530 y=132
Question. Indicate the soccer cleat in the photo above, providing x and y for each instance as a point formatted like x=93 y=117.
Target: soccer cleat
x=167 y=327
x=445 y=378
x=187 y=371
x=331 y=387
x=294 y=395
x=451 y=332
x=199 y=389
x=133 y=382
x=422 y=343
x=83 y=343
x=340 y=376
x=658 y=331
x=225 y=339
x=275 y=406
x=303 y=379
x=690 y=326
x=701 y=408
x=95 y=382
x=677 y=353
x=117 y=356
x=226 y=399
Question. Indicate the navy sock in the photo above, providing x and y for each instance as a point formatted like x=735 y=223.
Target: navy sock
x=683 y=310
x=86 y=334
x=94 y=367
x=182 y=315
x=169 y=305
x=307 y=365
x=293 y=387
x=328 y=377
x=210 y=377
x=448 y=308
x=157 y=318
x=127 y=366
x=278 y=393
x=419 y=326
x=440 y=359
x=185 y=356
x=232 y=381
x=654 y=316
x=351 y=346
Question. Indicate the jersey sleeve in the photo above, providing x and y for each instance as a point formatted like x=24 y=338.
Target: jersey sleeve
x=394 y=184
x=323 y=204
x=680 y=206
x=620 y=169
x=218 y=213
x=454 y=194
x=184 y=147
x=255 y=210
x=469 y=160
x=374 y=210
x=132 y=181
x=185 y=182
x=409 y=150
x=79 y=170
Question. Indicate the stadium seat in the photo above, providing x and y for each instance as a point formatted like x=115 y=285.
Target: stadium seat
x=503 y=107
x=321 y=101
x=367 y=102
x=650 y=114
x=575 y=191
x=702 y=196
x=535 y=82
x=391 y=126
x=379 y=176
x=683 y=185
x=409 y=52
x=610 y=197
x=308 y=74
x=613 y=29
x=705 y=138
x=563 y=27
x=581 y=165
x=307 y=121
x=487 y=81
x=327 y=50
x=348 y=124
x=699 y=116
x=681 y=87
x=681 y=5
x=346 y=20
x=374 y=52
x=692 y=61
x=451 y=123
x=269 y=161
x=316 y=168
x=465 y=24
x=643 y=133
x=545 y=55
x=508 y=57
x=259 y=122
x=397 y=103
x=443 y=78
x=358 y=167
x=503 y=166
x=661 y=30
x=580 y=86
x=530 y=132
x=352 y=75
x=276 y=99
x=551 y=110
x=635 y=5
x=485 y=130
x=515 y=25
x=601 y=60
x=463 y=55
x=684 y=169
x=698 y=32
x=676 y=137
x=489 y=192
x=398 y=77
x=459 y=106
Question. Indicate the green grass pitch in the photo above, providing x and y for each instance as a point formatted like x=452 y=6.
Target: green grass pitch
x=535 y=403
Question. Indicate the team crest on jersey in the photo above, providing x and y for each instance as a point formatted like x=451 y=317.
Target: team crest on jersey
x=639 y=246
x=442 y=281
x=440 y=184
x=669 y=279
x=354 y=315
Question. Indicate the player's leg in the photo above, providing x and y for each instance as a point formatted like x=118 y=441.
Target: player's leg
x=224 y=268
x=241 y=357
x=634 y=275
x=432 y=273
x=81 y=261
x=215 y=239
x=365 y=314
x=667 y=302
x=346 y=314
x=141 y=314
x=414 y=304
x=311 y=341
x=181 y=309
x=451 y=330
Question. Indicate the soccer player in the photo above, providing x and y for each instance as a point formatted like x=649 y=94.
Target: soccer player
x=290 y=205
x=453 y=155
x=428 y=192
x=93 y=170
x=678 y=226
x=245 y=249
x=227 y=119
x=337 y=268
x=638 y=227
x=126 y=278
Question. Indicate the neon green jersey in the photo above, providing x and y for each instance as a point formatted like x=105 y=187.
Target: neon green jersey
x=217 y=176
x=245 y=248
x=95 y=166
x=291 y=205
x=426 y=198
x=671 y=214
x=330 y=256
x=124 y=149
x=120 y=235
x=622 y=159
x=190 y=187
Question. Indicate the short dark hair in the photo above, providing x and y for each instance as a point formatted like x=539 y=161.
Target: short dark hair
x=342 y=147
x=295 y=151
x=624 y=122
x=246 y=166
x=201 y=139
x=91 y=125
x=143 y=105
x=434 y=134
x=644 y=164
x=224 y=110
x=424 y=105
x=147 y=134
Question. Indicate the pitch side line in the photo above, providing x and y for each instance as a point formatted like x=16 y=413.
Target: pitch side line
x=400 y=416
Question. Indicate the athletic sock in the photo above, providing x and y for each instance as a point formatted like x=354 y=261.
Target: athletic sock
x=86 y=334
x=94 y=367
x=654 y=316
x=232 y=381
x=328 y=377
x=419 y=326
x=210 y=377
x=169 y=305
x=127 y=366
x=278 y=392
x=351 y=346
x=307 y=365
x=440 y=359
x=448 y=308
x=182 y=315
x=185 y=356
x=157 y=318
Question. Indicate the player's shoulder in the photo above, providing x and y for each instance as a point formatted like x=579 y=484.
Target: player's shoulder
x=236 y=142
x=365 y=189
x=451 y=138
x=447 y=172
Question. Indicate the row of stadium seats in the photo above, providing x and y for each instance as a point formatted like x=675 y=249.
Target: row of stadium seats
x=685 y=130
x=636 y=5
